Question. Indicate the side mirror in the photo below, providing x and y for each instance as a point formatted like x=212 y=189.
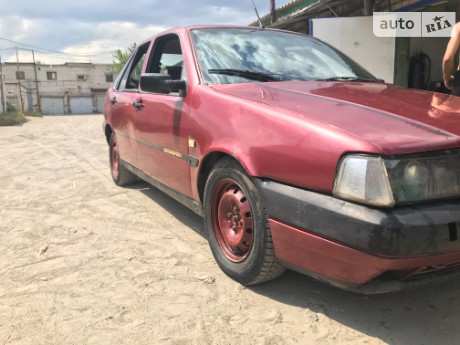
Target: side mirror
x=161 y=83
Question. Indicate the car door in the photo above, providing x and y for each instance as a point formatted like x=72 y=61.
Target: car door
x=161 y=121
x=121 y=102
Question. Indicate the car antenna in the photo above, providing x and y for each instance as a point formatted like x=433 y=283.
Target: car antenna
x=258 y=17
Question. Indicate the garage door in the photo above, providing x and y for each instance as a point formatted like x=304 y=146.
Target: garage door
x=100 y=103
x=52 y=105
x=81 y=105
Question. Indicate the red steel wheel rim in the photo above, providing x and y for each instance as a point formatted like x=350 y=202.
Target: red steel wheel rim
x=232 y=220
x=115 y=159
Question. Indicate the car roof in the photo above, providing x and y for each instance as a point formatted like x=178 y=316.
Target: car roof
x=196 y=27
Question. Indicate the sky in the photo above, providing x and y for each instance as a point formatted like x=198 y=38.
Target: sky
x=61 y=31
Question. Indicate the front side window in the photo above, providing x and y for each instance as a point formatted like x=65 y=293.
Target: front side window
x=167 y=57
x=227 y=56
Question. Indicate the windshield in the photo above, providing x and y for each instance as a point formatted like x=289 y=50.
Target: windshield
x=234 y=55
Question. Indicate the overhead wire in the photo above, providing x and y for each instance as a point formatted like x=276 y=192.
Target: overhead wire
x=47 y=51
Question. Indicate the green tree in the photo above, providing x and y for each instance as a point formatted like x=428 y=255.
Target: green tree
x=11 y=108
x=120 y=57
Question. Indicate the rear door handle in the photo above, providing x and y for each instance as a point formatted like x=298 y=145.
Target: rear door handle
x=138 y=104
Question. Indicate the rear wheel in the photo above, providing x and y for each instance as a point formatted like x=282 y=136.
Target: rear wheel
x=120 y=175
x=237 y=225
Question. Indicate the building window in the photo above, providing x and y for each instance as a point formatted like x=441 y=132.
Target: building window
x=109 y=78
x=51 y=75
x=81 y=77
x=20 y=75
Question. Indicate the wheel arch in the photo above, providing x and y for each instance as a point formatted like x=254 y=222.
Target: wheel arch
x=208 y=162
x=108 y=132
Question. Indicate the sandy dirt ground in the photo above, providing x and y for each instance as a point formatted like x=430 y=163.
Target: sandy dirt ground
x=83 y=261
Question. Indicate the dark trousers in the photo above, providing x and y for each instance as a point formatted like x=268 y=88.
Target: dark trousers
x=456 y=86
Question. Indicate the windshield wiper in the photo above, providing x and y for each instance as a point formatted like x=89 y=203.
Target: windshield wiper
x=348 y=79
x=259 y=76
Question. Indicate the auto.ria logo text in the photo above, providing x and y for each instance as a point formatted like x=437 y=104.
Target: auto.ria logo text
x=413 y=24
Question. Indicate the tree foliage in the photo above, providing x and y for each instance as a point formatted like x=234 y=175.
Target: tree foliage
x=120 y=57
x=11 y=108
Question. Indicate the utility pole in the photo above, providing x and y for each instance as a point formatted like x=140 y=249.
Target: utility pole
x=19 y=81
x=36 y=84
x=2 y=100
x=367 y=7
x=273 y=10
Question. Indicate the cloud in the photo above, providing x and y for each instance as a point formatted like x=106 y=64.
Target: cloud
x=144 y=12
x=93 y=27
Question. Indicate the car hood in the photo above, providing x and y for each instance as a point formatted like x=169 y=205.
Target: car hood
x=395 y=120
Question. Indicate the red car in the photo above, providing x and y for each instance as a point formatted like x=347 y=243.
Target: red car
x=295 y=155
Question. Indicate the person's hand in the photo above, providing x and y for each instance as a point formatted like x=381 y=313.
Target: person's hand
x=449 y=81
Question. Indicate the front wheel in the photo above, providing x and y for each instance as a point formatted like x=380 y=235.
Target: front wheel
x=120 y=175
x=237 y=225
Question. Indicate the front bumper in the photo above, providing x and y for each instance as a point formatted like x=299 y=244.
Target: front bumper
x=355 y=247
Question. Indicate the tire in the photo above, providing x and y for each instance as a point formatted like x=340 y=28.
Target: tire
x=120 y=175
x=237 y=225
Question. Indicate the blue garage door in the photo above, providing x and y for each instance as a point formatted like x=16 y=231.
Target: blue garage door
x=52 y=105
x=81 y=105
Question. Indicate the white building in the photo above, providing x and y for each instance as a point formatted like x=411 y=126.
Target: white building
x=71 y=88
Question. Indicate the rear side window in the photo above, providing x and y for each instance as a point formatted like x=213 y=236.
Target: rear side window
x=132 y=74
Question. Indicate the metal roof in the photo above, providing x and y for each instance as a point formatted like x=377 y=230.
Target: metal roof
x=302 y=10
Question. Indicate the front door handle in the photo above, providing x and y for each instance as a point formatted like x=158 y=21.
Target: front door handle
x=138 y=104
x=112 y=100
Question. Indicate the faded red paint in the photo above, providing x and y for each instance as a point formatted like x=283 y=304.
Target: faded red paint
x=343 y=263
x=290 y=132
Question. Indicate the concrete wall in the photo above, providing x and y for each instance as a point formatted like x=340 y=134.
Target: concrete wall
x=355 y=37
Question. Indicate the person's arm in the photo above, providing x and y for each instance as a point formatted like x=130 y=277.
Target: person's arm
x=449 y=57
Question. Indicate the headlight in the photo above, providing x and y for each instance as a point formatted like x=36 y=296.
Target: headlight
x=382 y=181
x=425 y=178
